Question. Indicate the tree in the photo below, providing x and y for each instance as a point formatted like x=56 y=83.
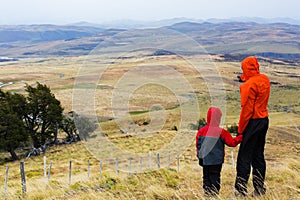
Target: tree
x=12 y=130
x=69 y=127
x=42 y=114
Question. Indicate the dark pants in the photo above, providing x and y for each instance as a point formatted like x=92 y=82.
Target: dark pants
x=251 y=153
x=211 y=179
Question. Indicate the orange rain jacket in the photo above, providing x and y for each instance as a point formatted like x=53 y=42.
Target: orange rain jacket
x=254 y=93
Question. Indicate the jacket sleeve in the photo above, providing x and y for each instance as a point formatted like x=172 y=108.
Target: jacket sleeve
x=232 y=142
x=248 y=96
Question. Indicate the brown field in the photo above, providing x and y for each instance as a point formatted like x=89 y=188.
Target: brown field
x=78 y=77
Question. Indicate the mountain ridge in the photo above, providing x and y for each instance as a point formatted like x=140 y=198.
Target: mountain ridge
x=167 y=22
x=280 y=40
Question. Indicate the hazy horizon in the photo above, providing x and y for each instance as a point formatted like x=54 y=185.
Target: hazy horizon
x=59 y=12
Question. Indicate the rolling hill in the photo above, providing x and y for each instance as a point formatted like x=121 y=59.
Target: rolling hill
x=275 y=40
x=44 y=33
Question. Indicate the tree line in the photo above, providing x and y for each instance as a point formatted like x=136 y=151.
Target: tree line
x=34 y=120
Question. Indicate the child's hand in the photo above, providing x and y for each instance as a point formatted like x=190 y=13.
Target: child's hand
x=239 y=138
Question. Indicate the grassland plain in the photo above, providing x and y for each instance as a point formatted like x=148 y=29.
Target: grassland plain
x=282 y=148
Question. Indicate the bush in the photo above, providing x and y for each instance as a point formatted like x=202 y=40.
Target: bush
x=233 y=129
x=199 y=124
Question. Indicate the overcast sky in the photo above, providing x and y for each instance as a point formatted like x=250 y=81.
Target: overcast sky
x=99 y=11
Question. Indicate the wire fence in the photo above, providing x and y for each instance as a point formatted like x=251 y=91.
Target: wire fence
x=115 y=165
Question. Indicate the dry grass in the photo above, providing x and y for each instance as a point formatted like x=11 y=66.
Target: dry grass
x=282 y=178
x=282 y=148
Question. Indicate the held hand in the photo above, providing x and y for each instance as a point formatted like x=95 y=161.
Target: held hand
x=239 y=138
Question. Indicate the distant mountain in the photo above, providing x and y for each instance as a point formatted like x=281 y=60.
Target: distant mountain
x=130 y=24
x=85 y=24
x=274 y=40
x=45 y=32
x=168 y=22
x=256 y=20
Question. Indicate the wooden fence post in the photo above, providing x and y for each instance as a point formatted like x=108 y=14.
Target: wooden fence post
x=49 y=171
x=158 y=161
x=70 y=171
x=141 y=163
x=5 y=181
x=117 y=170
x=100 y=168
x=232 y=158
x=89 y=167
x=45 y=170
x=169 y=161
x=150 y=160
x=130 y=162
x=178 y=162
x=23 y=178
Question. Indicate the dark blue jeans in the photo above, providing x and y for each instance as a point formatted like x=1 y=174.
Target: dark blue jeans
x=251 y=154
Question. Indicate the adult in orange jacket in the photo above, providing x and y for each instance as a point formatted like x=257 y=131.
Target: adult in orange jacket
x=253 y=125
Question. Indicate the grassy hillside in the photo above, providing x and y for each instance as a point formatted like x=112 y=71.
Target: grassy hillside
x=282 y=177
x=282 y=148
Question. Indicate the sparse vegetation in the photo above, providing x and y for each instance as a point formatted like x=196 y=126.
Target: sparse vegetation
x=200 y=123
x=282 y=148
x=233 y=129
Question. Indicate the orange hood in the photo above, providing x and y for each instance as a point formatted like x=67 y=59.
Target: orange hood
x=250 y=68
x=214 y=116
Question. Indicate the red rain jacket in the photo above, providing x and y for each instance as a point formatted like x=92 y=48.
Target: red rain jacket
x=210 y=139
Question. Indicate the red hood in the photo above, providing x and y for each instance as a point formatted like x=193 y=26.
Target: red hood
x=214 y=116
x=250 y=68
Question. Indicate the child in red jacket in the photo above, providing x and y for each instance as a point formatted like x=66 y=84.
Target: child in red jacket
x=210 y=144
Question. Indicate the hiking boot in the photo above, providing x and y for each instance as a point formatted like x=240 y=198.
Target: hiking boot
x=239 y=194
x=257 y=194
